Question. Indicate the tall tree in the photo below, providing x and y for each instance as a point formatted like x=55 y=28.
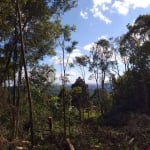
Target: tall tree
x=40 y=25
x=64 y=43
x=28 y=31
x=80 y=96
x=42 y=75
x=131 y=90
x=115 y=45
x=135 y=45
x=100 y=65
x=82 y=62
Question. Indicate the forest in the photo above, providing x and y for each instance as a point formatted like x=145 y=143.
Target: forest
x=37 y=114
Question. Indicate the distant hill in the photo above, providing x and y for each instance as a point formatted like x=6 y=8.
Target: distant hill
x=56 y=88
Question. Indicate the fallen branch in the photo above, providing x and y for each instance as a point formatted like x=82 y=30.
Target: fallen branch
x=71 y=147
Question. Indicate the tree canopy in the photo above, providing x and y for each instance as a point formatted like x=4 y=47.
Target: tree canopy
x=33 y=29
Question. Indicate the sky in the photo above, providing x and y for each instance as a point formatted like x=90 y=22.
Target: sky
x=96 y=19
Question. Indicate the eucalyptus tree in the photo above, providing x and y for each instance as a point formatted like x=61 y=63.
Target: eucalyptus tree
x=80 y=96
x=28 y=31
x=115 y=45
x=41 y=75
x=40 y=21
x=67 y=46
x=135 y=45
x=100 y=63
x=42 y=78
x=82 y=62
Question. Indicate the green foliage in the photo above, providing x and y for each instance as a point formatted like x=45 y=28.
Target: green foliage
x=82 y=62
x=39 y=25
x=42 y=32
x=80 y=94
x=131 y=91
x=107 y=96
x=128 y=91
x=135 y=43
x=42 y=76
x=55 y=107
x=32 y=27
x=100 y=56
x=70 y=48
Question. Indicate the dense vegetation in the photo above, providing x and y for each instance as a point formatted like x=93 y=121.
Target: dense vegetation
x=33 y=116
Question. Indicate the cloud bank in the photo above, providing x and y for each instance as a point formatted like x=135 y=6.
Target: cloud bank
x=100 y=8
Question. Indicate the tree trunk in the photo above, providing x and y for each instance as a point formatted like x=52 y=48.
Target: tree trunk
x=80 y=114
x=15 y=57
x=63 y=84
x=71 y=147
x=102 y=94
x=26 y=75
x=14 y=96
x=98 y=95
x=18 y=99
x=145 y=91
x=64 y=110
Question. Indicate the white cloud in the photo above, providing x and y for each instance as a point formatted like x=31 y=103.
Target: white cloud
x=103 y=37
x=98 y=14
x=76 y=52
x=138 y=3
x=104 y=7
x=72 y=75
x=84 y=14
x=100 y=2
x=98 y=7
x=69 y=57
x=88 y=46
x=56 y=60
x=72 y=72
x=121 y=7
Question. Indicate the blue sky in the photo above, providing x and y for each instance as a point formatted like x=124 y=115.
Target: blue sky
x=97 y=19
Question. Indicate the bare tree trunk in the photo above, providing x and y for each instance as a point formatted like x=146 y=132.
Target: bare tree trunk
x=80 y=113
x=69 y=122
x=64 y=110
x=71 y=147
x=102 y=93
x=64 y=82
x=117 y=65
x=145 y=91
x=98 y=94
x=8 y=99
x=15 y=57
x=26 y=75
x=14 y=94
x=18 y=99
x=50 y=124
